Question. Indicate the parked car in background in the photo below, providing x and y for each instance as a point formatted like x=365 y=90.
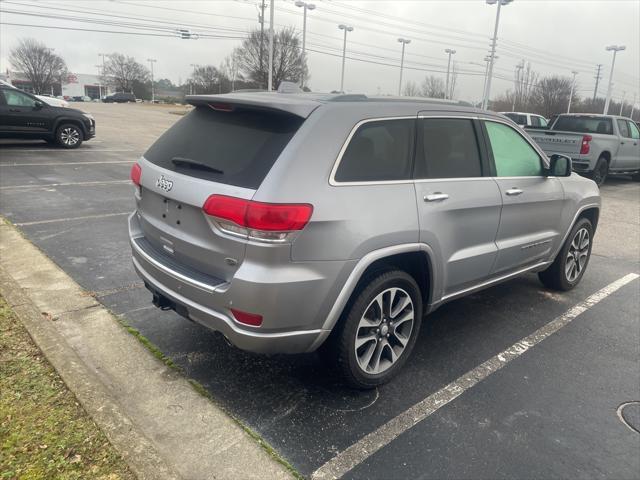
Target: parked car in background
x=81 y=98
x=23 y=115
x=599 y=145
x=527 y=119
x=121 y=97
x=53 y=101
x=338 y=221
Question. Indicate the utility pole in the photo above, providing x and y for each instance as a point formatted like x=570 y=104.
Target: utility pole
x=519 y=67
x=153 y=92
x=622 y=103
x=271 y=8
x=573 y=86
x=306 y=6
x=346 y=28
x=103 y=55
x=261 y=20
x=597 y=77
x=615 y=49
x=486 y=73
x=99 y=82
x=193 y=76
x=404 y=42
x=633 y=106
x=494 y=42
x=449 y=52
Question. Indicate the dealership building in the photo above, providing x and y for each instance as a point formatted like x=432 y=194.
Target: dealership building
x=74 y=85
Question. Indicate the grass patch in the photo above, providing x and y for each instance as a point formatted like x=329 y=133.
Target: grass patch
x=44 y=432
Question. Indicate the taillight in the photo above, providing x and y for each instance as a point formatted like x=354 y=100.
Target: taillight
x=136 y=173
x=247 y=318
x=262 y=221
x=584 y=148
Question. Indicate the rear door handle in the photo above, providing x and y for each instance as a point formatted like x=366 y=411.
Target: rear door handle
x=512 y=192
x=436 y=197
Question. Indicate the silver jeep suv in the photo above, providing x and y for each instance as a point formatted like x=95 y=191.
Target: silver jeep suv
x=290 y=222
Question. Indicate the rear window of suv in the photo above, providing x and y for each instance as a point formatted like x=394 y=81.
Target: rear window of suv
x=237 y=148
x=584 y=124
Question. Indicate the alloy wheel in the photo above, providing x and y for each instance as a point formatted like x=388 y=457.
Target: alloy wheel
x=69 y=136
x=384 y=330
x=577 y=255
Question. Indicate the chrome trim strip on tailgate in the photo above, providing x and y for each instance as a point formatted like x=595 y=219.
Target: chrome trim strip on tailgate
x=173 y=273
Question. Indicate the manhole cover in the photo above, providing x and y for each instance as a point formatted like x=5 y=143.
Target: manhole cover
x=629 y=414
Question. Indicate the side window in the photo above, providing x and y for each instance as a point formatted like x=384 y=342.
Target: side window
x=543 y=121
x=535 y=121
x=15 y=98
x=635 y=133
x=512 y=154
x=624 y=130
x=447 y=148
x=378 y=151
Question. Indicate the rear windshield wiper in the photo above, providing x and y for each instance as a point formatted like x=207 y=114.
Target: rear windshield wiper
x=189 y=163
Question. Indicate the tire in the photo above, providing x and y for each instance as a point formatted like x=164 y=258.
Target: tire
x=378 y=337
x=599 y=174
x=69 y=135
x=561 y=275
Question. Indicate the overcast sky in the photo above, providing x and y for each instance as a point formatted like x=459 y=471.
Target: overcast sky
x=556 y=36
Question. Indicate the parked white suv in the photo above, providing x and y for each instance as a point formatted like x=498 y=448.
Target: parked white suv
x=527 y=119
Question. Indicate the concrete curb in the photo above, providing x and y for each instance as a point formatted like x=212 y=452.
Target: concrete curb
x=163 y=428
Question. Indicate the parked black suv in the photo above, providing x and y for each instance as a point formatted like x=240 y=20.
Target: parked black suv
x=121 y=97
x=25 y=116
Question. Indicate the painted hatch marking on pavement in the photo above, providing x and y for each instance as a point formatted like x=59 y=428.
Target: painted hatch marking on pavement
x=69 y=184
x=71 y=219
x=379 y=438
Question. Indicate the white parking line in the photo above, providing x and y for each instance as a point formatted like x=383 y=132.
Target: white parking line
x=15 y=164
x=49 y=150
x=374 y=441
x=71 y=219
x=70 y=184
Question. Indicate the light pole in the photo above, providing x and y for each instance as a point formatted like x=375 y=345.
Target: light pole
x=306 y=6
x=271 y=13
x=103 y=55
x=446 y=88
x=519 y=67
x=403 y=41
x=153 y=92
x=573 y=86
x=615 y=49
x=487 y=59
x=494 y=41
x=99 y=82
x=193 y=76
x=622 y=103
x=633 y=106
x=346 y=28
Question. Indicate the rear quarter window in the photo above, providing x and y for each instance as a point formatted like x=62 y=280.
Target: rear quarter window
x=584 y=124
x=238 y=147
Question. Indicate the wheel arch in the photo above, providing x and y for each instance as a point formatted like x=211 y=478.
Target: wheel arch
x=74 y=121
x=417 y=259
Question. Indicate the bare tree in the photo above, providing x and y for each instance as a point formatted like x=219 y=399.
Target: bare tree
x=206 y=79
x=288 y=62
x=525 y=83
x=433 y=87
x=123 y=72
x=411 y=89
x=551 y=95
x=229 y=72
x=40 y=65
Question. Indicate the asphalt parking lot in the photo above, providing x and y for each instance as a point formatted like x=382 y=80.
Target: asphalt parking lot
x=551 y=412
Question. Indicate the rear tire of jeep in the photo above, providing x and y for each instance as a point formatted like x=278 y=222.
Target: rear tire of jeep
x=69 y=135
x=599 y=174
x=569 y=266
x=377 y=331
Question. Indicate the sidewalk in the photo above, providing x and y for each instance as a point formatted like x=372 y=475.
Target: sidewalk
x=156 y=420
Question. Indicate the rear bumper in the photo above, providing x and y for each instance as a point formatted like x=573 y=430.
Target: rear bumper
x=293 y=300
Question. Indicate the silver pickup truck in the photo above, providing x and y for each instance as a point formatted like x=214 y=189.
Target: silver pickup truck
x=599 y=145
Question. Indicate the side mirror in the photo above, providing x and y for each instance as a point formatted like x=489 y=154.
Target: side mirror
x=38 y=105
x=560 y=165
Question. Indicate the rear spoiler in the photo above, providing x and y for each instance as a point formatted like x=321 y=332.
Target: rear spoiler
x=275 y=102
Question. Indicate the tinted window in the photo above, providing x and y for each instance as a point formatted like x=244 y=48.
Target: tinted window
x=512 y=154
x=535 y=121
x=584 y=124
x=378 y=151
x=635 y=133
x=516 y=117
x=15 y=98
x=239 y=147
x=448 y=148
x=624 y=130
